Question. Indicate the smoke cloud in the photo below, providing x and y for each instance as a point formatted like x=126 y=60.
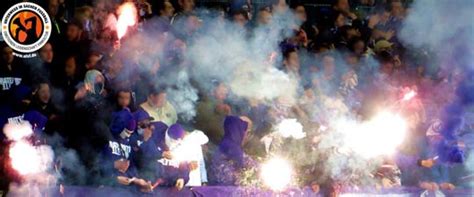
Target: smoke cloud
x=449 y=37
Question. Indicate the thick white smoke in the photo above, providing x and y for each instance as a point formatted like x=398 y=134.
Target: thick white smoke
x=430 y=23
x=239 y=58
x=183 y=96
x=218 y=50
x=254 y=82
x=446 y=28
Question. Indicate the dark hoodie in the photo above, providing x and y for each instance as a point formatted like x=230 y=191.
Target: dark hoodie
x=231 y=144
x=230 y=159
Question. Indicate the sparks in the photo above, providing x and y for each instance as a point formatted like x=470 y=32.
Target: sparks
x=276 y=174
x=127 y=17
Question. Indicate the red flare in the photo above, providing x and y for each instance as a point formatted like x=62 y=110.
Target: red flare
x=127 y=17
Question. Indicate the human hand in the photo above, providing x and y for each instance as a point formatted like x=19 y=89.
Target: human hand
x=167 y=155
x=428 y=163
x=447 y=186
x=145 y=186
x=123 y=180
x=122 y=165
x=179 y=184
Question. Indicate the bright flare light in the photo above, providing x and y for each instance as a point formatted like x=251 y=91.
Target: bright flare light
x=127 y=17
x=17 y=132
x=24 y=158
x=276 y=174
x=190 y=148
x=379 y=136
x=409 y=95
x=290 y=128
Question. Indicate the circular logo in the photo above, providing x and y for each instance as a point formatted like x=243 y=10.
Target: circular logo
x=26 y=27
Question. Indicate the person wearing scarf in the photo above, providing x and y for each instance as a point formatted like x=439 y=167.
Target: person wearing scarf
x=119 y=168
x=145 y=144
x=93 y=85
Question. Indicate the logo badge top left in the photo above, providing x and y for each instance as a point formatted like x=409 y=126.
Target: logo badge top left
x=26 y=27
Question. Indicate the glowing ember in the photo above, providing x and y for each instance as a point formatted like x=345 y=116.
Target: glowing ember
x=290 y=128
x=276 y=174
x=379 y=136
x=409 y=95
x=127 y=17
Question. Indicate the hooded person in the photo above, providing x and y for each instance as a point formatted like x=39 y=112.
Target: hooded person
x=87 y=127
x=186 y=147
x=119 y=167
x=172 y=169
x=94 y=83
x=118 y=148
x=145 y=143
x=230 y=158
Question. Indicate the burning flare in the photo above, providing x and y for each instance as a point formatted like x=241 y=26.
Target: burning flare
x=190 y=148
x=276 y=174
x=127 y=17
x=379 y=136
x=26 y=158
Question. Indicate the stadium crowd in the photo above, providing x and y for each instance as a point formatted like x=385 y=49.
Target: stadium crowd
x=84 y=89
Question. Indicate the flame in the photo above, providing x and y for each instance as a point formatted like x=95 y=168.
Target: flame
x=127 y=17
x=379 y=136
x=276 y=174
